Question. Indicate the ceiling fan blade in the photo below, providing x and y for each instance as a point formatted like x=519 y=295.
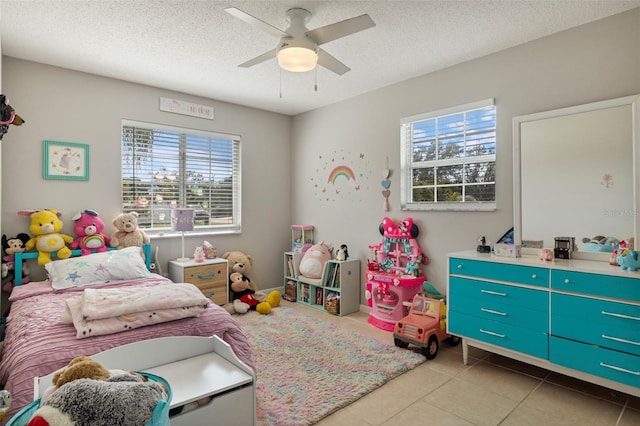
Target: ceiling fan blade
x=340 y=29
x=259 y=59
x=252 y=20
x=331 y=63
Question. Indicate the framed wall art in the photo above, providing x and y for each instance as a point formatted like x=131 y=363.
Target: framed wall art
x=66 y=160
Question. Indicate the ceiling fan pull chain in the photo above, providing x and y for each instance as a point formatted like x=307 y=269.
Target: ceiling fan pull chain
x=280 y=82
x=316 y=85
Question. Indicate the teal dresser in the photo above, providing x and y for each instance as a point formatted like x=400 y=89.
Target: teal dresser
x=576 y=317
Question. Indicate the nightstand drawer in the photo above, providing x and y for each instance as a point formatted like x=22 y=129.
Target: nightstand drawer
x=507 y=336
x=206 y=274
x=596 y=284
x=617 y=366
x=210 y=277
x=529 y=275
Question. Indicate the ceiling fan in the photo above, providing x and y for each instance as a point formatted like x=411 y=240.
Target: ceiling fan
x=298 y=49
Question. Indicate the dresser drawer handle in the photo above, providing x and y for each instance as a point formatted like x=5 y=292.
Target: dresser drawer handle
x=566 y=281
x=206 y=277
x=613 y=314
x=459 y=266
x=491 y=311
x=534 y=276
x=621 y=340
x=491 y=333
x=494 y=293
x=624 y=370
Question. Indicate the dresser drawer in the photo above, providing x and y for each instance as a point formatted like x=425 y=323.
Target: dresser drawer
x=613 y=365
x=599 y=322
x=596 y=284
x=518 y=339
x=488 y=292
x=500 y=312
x=529 y=275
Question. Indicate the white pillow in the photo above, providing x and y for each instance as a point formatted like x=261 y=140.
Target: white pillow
x=97 y=268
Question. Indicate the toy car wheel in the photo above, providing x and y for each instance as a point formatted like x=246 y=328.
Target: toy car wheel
x=399 y=343
x=431 y=350
x=454 y=340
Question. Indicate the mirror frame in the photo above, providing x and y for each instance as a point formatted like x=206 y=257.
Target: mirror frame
x=634 y=101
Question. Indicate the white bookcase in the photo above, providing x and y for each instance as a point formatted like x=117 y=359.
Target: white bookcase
x=337 y=292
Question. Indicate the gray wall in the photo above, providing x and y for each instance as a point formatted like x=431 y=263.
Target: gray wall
x=594 y=62
x=597 y=61
x=64 y=105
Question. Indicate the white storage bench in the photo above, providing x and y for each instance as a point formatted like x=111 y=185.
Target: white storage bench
x=195 y=368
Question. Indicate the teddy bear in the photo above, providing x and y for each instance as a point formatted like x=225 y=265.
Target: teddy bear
x=11 y=246
x=94 y=395
x=88 y=227
x=80 y=367
x=242 y=263
x=128 y=234
x=47 y=239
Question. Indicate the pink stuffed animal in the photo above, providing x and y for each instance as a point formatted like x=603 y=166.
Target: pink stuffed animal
x=545 y=254
x=314 y=259
x=88 y=228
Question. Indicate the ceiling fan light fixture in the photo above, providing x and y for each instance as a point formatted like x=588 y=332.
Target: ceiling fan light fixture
x=297 y=59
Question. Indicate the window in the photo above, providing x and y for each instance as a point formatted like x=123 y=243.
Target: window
x=165 y=167
x=448 y=159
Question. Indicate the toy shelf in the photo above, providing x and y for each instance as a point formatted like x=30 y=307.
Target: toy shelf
x=337 y=292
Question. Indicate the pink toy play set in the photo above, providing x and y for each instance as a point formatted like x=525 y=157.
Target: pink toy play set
x=394 y=276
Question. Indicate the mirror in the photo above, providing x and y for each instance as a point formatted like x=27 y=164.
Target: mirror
x=575 y=174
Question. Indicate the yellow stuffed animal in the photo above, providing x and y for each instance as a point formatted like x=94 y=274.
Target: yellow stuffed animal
x=45 y=228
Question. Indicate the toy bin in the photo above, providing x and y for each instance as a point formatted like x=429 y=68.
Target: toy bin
x=301 y=238
x=391 y=297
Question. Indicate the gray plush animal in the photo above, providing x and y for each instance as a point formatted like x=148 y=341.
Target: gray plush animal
x=123 y=400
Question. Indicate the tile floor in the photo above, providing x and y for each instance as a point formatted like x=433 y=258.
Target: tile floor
x=491 y=390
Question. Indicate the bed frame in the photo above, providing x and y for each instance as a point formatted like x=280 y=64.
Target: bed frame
x=196 y=368
x=21 y=256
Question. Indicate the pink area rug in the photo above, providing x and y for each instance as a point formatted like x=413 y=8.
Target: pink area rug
x=309 y=368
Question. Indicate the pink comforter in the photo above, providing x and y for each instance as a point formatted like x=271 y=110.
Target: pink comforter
x=37 y=342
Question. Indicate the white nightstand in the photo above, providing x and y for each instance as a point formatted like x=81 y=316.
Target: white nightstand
x=210 y=276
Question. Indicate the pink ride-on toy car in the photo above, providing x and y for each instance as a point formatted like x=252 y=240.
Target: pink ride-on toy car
x=425 y=326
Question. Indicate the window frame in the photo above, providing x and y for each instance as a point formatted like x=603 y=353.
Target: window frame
x=407 y=164
x=236 y=165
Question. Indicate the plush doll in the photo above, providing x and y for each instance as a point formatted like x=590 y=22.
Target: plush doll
x=11 y=246
x=94 y=395
x=244 y=299
x=47 y=239
x=314 y=259
x=88 y=227
x=242 y=263
x=342 y=253
x=128 y=234
x=242 y=295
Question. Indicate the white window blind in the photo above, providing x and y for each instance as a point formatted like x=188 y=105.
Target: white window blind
x=165 y=168
x=448 y=158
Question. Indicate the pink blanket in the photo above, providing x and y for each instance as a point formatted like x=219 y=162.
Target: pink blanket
x=37 y=342
x=101 y=311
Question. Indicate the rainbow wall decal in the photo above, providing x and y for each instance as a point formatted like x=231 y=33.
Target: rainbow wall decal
x=341 y=171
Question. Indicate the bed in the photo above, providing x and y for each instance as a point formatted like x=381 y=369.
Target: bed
x=37 y=341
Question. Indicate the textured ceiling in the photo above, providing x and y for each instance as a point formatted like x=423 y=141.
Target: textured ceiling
x=193 y=46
